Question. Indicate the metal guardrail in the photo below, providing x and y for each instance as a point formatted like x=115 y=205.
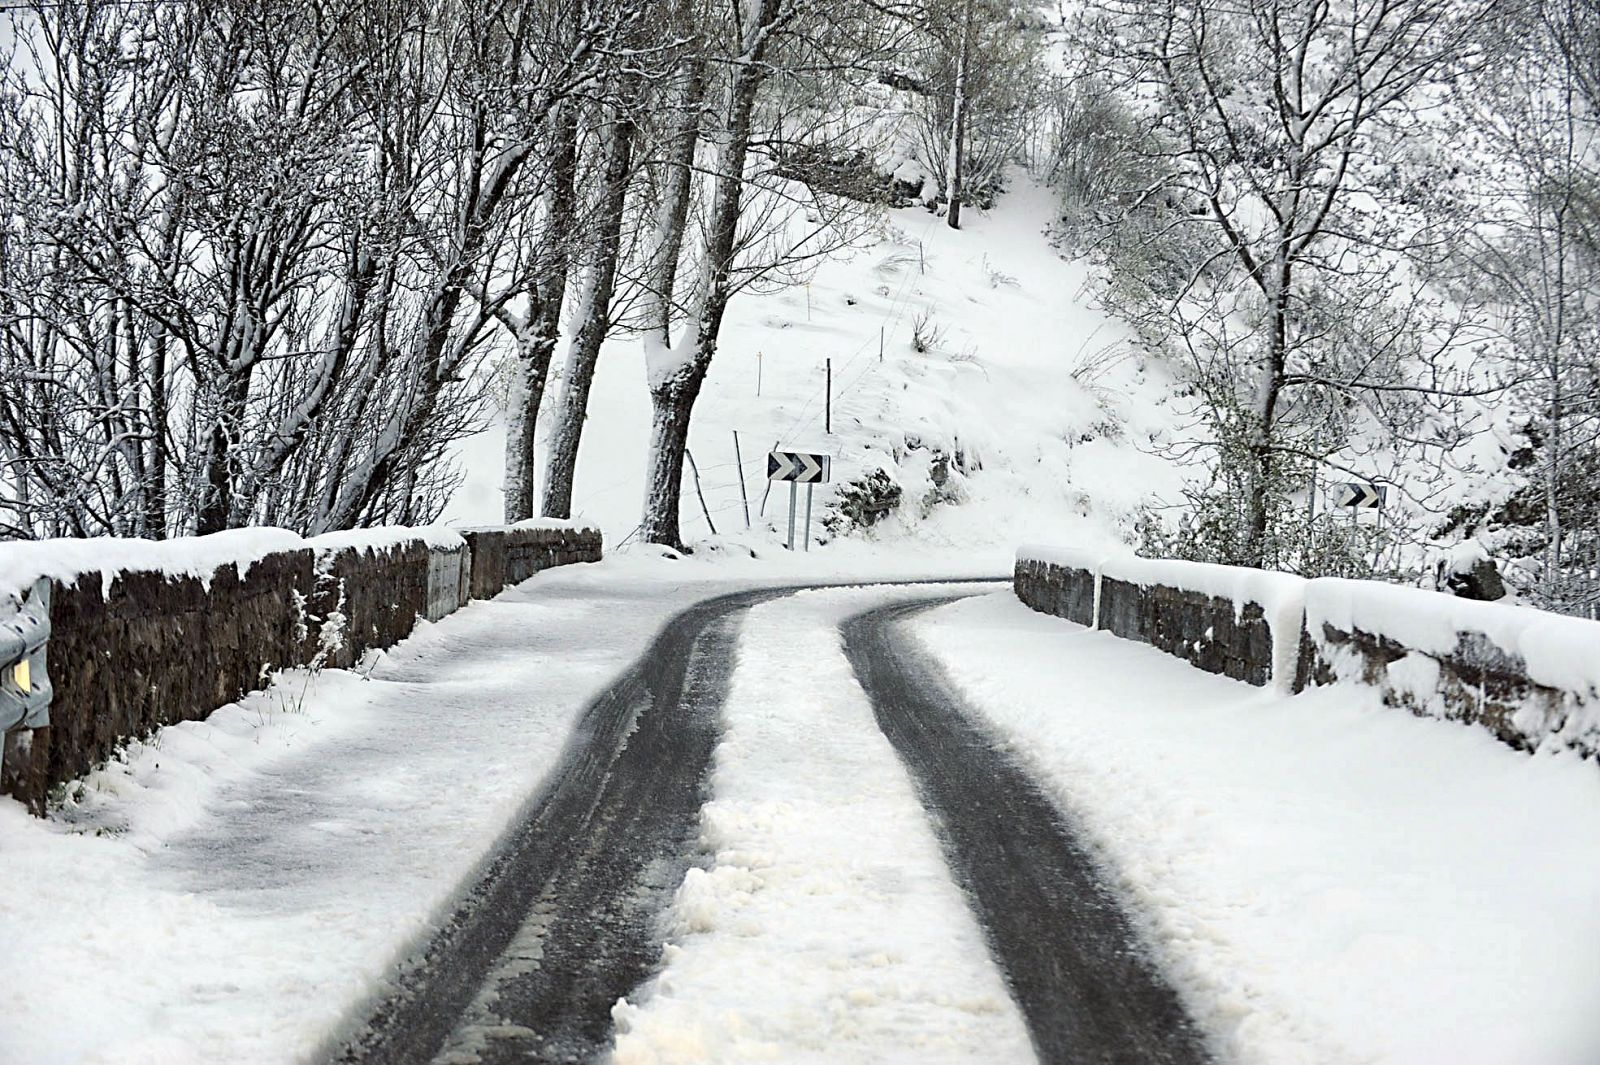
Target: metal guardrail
x=25 y=690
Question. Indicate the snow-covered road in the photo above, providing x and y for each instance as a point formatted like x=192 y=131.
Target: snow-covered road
x=1323 y=880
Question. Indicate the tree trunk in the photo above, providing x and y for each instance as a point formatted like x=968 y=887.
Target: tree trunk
x=155 y=493
x=669 y=437
x=958 y=123
x=676 y=377
x=216 y=507
x=1554 y=444
x=585 y=351
x=535 y=350
x=1262 y=454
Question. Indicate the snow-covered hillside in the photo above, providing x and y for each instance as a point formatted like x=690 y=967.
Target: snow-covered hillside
x=1018 y=395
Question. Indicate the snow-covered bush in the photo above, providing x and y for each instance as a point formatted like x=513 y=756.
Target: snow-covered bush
x=862 y=503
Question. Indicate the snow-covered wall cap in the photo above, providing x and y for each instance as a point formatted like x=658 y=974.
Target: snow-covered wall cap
x=26 y=561
x=1070 y=557
x=23 y=562
x=557 y=524
x=437 y=537
x=1559 y=651
x=1237 y=583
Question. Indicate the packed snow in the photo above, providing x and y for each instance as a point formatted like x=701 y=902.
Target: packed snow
x=1326 y=880
x=824 y=925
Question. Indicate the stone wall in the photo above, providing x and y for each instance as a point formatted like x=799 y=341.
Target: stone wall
x=1529 y=678
x=1202 y=628
x=154 y=649
x=1477 y=683
x=503 y=557
x=367 y=597
x=1053 y=588
x=151 y=648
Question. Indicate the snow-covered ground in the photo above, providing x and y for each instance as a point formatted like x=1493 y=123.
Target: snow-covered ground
x=1327 y=880
x=1017 y=385
x=234 y=889
x=825 y=926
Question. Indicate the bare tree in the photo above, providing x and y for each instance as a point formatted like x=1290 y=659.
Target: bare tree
x=1269 y=247
x=758 y=222
x=1534 y=190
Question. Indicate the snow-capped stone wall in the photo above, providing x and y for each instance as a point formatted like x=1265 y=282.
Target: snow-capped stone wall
x=505 y=556
x=147 y=648
x=1236 y=622
x=146 y=634
x=1529 y=677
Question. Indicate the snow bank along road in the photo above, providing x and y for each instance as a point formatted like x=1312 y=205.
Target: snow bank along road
x=820 y=923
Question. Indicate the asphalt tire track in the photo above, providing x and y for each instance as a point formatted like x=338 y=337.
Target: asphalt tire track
x=1090 y=995
x=591 y=867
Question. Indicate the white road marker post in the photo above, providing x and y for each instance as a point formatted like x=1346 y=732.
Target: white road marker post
x=810 y=487
x=794 y=491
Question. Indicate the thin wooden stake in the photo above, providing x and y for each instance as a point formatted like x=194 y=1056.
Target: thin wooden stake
x=703 y=508
x=739 y=461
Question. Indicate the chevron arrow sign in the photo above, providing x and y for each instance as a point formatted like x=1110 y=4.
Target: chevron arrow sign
x=1357 y=494
x=797 y=466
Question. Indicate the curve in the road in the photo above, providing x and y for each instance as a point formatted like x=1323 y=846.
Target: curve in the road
x=1090 y=996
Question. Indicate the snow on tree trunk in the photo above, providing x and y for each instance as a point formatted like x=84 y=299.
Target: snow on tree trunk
x=958 y=122
x=595 y=322
x=537 y=347
x=677 y=372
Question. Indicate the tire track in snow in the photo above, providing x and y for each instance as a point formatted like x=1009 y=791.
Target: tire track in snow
x=563 y=923
x=561 y=926
x=1090 y=995
x=823 y=925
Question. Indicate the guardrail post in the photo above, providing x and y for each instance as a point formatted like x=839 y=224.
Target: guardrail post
x=25 y=690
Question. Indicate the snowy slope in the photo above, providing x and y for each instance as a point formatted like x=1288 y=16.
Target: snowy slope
x=1044 y=431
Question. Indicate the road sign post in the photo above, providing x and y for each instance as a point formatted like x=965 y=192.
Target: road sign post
x=809 y=489
x=1359 y=496
x=798 y=467
x=794 y=486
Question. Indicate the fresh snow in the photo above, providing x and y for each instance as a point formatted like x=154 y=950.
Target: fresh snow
x=381 y=538
x=1326 y=880
x=824 y=925
x=24 y=562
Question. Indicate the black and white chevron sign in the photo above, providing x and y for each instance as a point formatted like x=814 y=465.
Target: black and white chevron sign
x=797 y=466
x=1358 y=494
